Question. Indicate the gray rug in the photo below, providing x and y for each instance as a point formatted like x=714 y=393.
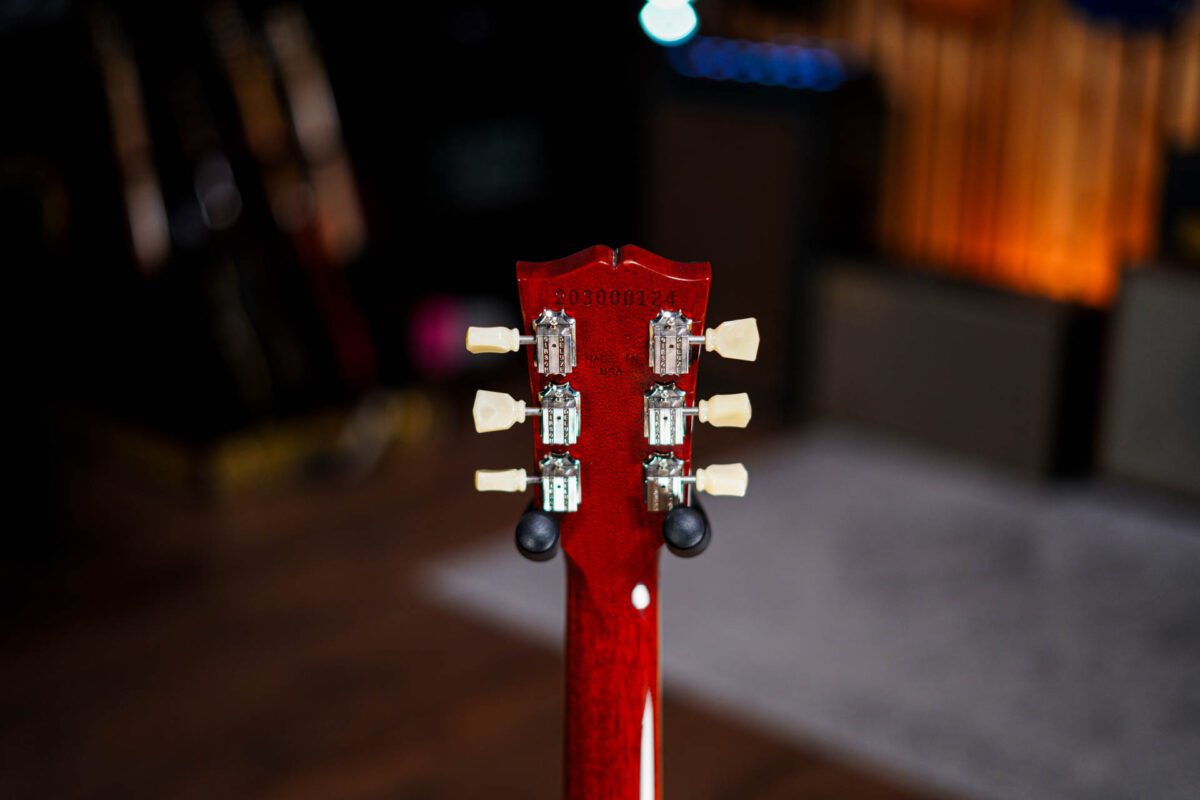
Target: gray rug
x=997 y=638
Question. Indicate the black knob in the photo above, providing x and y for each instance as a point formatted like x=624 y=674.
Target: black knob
x=537 y=535
x=686 y=531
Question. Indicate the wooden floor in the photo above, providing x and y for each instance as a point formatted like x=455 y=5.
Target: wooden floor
x=277 y=647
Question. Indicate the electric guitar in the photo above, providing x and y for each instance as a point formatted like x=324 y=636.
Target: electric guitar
x=613 y=340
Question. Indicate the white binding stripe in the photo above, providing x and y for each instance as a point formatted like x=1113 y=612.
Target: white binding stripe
x=646 y=790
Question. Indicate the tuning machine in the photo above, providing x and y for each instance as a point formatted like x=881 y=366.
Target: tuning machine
x=559 y=479
x=671 y=341
x=558 y=408
x=554 y=336
x=665 y=480
x=665 y=406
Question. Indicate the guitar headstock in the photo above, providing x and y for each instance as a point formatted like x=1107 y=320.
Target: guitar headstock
x=613 y=340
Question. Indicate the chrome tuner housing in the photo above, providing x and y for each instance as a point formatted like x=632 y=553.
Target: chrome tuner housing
x=560 y=483
x=663 y=414
x=670 y=343
x=554 y=337
x=559 y=407
x=664 y=482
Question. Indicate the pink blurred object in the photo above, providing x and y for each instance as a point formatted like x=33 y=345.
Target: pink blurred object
x=436 y=333
x=438 y=328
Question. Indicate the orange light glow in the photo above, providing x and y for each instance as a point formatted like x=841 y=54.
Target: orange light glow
x=1024 y=145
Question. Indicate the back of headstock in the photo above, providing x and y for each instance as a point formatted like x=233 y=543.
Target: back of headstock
x=613 y=340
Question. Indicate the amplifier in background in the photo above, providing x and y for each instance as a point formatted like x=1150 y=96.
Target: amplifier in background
x=1152 y=411
x=1008 y=379
x=759 y=180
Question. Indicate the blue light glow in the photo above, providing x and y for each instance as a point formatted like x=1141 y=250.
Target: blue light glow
x=793 y=66
x=669 y=22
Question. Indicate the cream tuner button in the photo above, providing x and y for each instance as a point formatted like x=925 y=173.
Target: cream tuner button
x=723 y=479
x=493 y=340
x=737 y=339
x=726 y=410
x=500 y=480
x=496 y=411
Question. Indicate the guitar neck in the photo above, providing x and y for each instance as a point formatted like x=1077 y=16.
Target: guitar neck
x=613 y=741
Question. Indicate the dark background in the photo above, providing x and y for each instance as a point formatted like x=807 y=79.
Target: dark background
x=223 y=458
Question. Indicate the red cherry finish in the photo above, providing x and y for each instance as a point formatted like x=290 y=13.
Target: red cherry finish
x=611 y=543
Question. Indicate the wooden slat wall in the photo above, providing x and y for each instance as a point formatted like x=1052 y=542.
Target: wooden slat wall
x=1023 y=150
